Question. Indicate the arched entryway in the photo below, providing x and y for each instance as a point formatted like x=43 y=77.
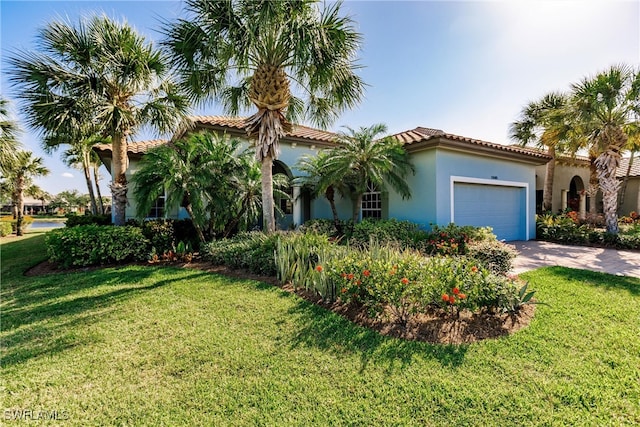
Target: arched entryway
x=576 y=198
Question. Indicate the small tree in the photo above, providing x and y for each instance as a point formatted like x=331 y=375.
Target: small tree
x=361 y=159
x=21 y=172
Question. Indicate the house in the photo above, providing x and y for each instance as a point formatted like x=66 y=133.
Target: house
x=629 y=200
x=571 y=179
x=458 y=179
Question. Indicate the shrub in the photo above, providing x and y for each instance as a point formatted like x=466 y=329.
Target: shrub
x=493 y=255
x=74 y=220
x=86 y=245
x=321 y=226
x=26 y=222
x=384 y=231
x=5 y=228
x=253 y=251
x=297 y=255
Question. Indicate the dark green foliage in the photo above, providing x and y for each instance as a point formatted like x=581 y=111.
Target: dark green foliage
x=404 y=233
x=492 y=255
x=322 y=226
x=164 y=234
x=75 y=220
x=563 y=229
x=95 y=245
x=251 y=251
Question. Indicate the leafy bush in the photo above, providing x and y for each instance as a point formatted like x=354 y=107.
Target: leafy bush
x=493 y=255
x=253 y=251
x=321 y=226
x=297 y=255
x=94 y=245
x=74 y=220
x=562 y=229
x=26 y=222
x=386 y=231
x=403 y=282
x=5 y=228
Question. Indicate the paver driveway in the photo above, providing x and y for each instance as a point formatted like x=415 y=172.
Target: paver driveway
x=534 y=254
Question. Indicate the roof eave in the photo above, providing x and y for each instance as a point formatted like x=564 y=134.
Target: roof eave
x=466 y=147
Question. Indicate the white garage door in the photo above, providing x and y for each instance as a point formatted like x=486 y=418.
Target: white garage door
x=502 y=208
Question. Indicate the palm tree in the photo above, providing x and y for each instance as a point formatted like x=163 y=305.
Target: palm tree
x=604 y=106
x=361 y=160
x=80 y=155
x=542 y=123
x=23 y=169
x=100 y=72
x=248 y=53
x=8 y=136
x=194 y=173
x=633 y=143
x=318 y=180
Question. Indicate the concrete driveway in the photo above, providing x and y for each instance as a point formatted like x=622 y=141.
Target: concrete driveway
x=533 y=254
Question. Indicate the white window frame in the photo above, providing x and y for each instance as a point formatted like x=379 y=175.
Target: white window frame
x=371 y=187
x=496 y=183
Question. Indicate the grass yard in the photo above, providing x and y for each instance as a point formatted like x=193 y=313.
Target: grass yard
x=165 y=347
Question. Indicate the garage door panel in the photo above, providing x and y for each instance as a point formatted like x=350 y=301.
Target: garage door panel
x=501 y=207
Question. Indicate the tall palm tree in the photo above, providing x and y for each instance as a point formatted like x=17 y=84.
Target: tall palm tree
x=603 y=106
x=20 y=174
x=99 y=71
x=361 y=159
x=542 y=123
x=289 y=59
x=318 y=180
x=9 y=143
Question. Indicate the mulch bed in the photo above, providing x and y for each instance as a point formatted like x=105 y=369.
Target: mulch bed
x=434 y=327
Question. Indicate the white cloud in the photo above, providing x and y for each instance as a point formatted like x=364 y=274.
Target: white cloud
x=67 y=175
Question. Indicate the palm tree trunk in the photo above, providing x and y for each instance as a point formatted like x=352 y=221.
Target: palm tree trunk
x=357 y=204
x=20 y=205
x=96 y=179
x=607 y=163
x=625 y=181
x=330 y=196
x=547 y=196
x=87 y=177
x=267 y=194
x=592 y=191
x=119 y=183
x=189 y=210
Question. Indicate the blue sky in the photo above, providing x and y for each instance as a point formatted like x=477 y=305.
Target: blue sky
x=466 y=67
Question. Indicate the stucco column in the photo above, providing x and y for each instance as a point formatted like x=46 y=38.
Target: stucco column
x=638 y=200
x=563 y=200
x=583 y=205
x=297 y=207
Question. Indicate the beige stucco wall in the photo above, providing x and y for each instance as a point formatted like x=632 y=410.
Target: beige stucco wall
x=631 y=197
x=564 y=173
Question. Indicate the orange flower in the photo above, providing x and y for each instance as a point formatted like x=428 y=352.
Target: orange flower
x=452 y=299
x=350 y=276
x=456 y=291
x=344 y=275
x=344 y=290
x=404 y=281
x=462 y=296
x=474 y=269
x=445 y=297
x=319 y=269
x=392 y=272
x=359 y=282
x=366 y=273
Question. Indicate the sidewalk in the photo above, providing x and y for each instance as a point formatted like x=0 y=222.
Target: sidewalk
x=533 y=254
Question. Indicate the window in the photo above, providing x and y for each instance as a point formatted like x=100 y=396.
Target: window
x=372 y=203
x=157 y=209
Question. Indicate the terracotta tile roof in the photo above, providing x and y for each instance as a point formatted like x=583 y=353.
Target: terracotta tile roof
x=140 y=147
x=422 y=134
x=298 y=131
x=624 y=165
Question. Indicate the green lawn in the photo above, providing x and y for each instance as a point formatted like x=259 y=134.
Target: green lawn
x=166 y=347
